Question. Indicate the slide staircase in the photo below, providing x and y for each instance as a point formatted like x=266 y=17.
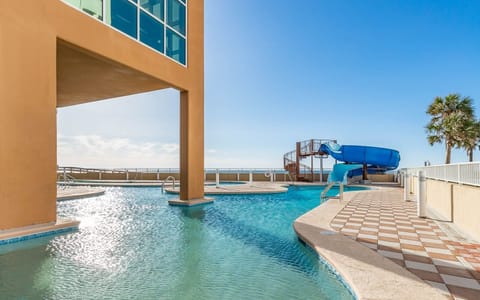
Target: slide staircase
x=292 y=161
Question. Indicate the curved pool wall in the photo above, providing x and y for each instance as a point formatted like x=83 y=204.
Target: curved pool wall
x=332 y=269
x=226 y=183
x=131 y=244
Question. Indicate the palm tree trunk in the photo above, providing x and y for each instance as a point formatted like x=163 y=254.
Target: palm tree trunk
x=448 y=154
x=470 y=154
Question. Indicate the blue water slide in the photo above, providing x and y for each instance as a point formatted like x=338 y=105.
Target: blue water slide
x=357 y=156
x=372 y=156
x=341 y=172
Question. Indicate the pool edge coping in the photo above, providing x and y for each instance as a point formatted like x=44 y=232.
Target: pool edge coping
x=80 y=195
x=36 y=231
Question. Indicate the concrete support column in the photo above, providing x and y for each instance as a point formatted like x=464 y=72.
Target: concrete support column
x=421 y=195
x=28 y=155
x=321 y=169
x=406 y=189
x=191 y=145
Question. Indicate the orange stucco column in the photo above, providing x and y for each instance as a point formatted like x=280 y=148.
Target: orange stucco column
x=27 y=121
x=191 y=144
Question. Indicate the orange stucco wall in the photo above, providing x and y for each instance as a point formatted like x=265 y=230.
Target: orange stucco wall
x=30 y=32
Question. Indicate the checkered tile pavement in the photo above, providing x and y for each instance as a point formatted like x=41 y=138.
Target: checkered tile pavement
x=388 y=225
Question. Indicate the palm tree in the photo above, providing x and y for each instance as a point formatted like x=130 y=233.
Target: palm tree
x=449 y=115
x=470 y=137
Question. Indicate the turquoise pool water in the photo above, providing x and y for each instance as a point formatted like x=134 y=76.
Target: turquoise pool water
x=132 y=245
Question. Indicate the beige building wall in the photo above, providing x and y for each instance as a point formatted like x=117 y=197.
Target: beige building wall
x=381 y=177
x=466 y=209
x=456 y=203
x=53 y=55
x=439 y=199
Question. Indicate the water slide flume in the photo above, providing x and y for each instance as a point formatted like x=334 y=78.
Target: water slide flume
x=359 y=159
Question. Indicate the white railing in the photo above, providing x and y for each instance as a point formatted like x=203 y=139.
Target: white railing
x=277 y=171
x=463 y=173
x=166 y=181
x=323 y=195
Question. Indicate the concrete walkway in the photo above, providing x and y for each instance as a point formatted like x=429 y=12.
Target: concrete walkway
x=393 y=250
x=385 y=223
x=77 y=192
x=246 y=188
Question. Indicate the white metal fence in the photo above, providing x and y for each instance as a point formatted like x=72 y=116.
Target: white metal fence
x=463 y=173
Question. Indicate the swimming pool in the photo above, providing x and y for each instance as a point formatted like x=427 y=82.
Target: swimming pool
x=132 y=245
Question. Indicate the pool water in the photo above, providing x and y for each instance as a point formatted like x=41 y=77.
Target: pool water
x=133 y=245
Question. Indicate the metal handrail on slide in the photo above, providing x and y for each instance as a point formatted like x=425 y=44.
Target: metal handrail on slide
x=323 y=195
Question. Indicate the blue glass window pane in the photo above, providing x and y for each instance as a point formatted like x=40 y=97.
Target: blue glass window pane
x=175 y=46
x=155 y=7
x=124 y=17
x=151 y=31
x=92 y=7
x=176 y=15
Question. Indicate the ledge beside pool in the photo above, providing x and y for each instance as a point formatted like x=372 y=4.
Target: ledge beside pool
x=194 y=202
x=35 y=231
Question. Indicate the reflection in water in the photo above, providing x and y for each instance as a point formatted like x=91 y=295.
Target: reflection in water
x=194 y=212
x=20 y=271
x=101 y=247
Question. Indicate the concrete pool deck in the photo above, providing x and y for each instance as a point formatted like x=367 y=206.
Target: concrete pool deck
x=78 y=192
x=384 y=251
x=35 y=231
x=60 y=226
x=245 y=188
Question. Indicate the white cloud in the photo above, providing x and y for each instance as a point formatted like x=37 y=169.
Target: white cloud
x=170 y=148
x=102 y=152
x=96 y=151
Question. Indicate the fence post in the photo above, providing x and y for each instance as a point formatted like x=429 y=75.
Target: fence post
x=421 y=193
x=477 y=178
x=217 y=179
x=406 y=189
x=458 y=174
x=250 y=177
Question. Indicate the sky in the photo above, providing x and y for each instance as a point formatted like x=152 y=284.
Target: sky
x=361 y=72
